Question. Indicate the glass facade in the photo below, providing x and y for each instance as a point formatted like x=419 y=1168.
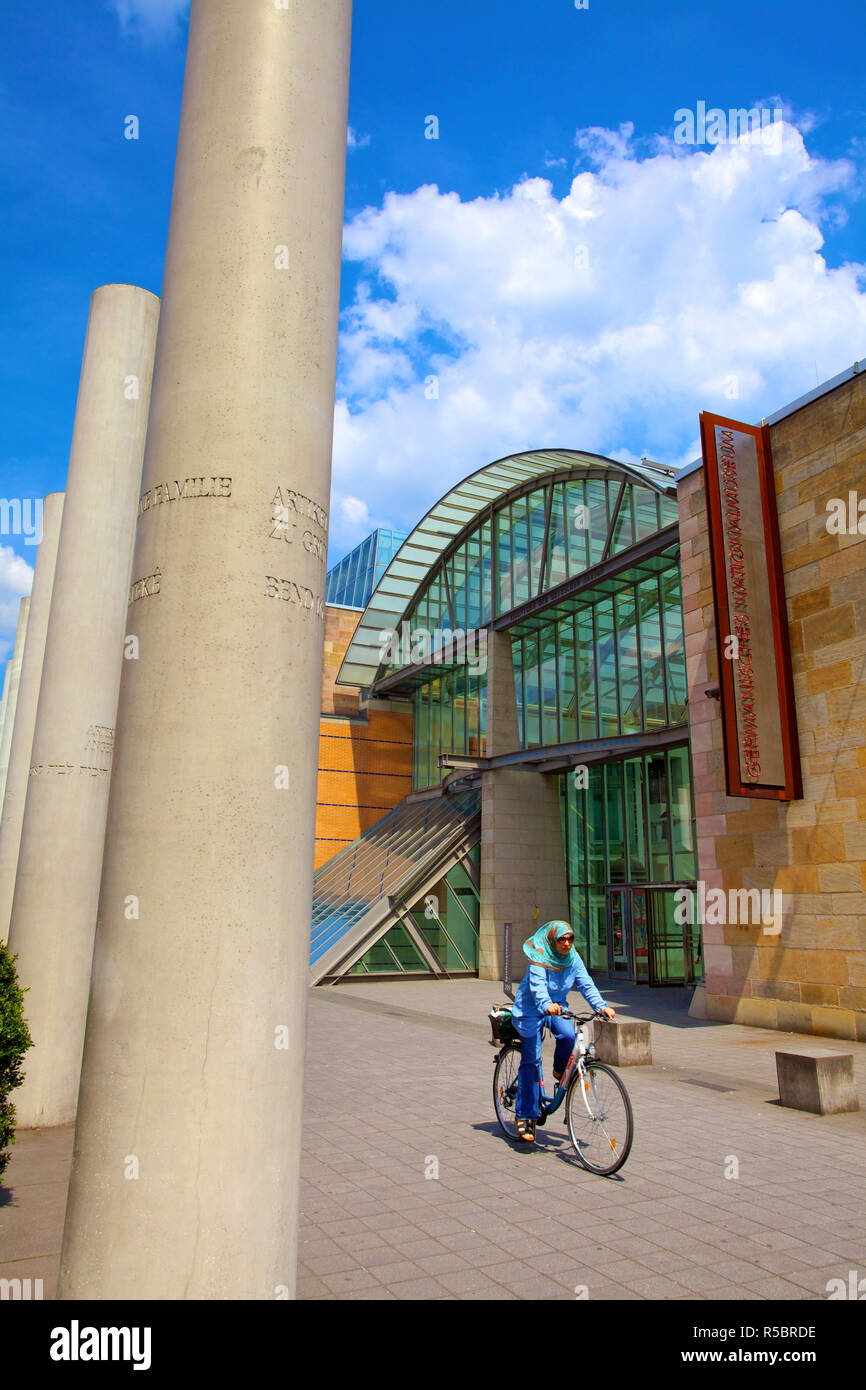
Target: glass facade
x=629 y=840
x=602 y=658
x=616 y=665
x=526 y=546
x=351 y=582
x=450 y=717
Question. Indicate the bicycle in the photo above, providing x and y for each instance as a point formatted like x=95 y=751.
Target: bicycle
x=598 y=1111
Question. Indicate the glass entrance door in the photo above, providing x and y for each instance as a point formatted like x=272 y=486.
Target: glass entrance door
x=619 y=953
x=640 y=944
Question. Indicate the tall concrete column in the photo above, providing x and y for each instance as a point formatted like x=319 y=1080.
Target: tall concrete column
x=185 y=1177
x=10 y=692
x=28 y=698
x=523 y=878
x=62 y=836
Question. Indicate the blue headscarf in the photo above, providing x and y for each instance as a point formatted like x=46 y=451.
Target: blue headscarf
x=541 y=950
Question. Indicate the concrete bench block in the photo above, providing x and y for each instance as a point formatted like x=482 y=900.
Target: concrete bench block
x=821 y=1082
x=624 y=1043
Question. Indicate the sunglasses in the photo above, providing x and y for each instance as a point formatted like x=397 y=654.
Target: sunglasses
x=565 y=938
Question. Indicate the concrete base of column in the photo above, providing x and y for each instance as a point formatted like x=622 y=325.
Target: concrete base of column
x=523 y=879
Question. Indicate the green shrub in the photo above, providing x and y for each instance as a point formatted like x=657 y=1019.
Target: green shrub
x=14 y=1041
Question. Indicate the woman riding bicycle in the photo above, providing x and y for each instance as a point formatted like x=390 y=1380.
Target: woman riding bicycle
x=555 y=968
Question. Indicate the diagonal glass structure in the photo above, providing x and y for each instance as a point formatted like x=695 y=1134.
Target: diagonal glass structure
x=372 y=885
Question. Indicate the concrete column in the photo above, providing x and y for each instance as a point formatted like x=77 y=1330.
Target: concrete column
x=28 y=698
x=523 y=878
x=185 y=1177
x=10 y=692
x=62 y=836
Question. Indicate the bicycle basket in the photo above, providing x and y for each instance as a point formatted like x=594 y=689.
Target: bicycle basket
x=501 y=1026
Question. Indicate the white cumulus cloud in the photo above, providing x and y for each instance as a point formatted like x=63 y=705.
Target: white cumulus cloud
x=602 y=320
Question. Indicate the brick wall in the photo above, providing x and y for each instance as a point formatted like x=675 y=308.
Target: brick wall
x=365 y=760
x=812 y=977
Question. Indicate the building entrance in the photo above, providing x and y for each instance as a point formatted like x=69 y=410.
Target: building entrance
x=645 y=942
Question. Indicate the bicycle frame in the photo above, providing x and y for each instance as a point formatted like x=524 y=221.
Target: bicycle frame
x=581 y=1049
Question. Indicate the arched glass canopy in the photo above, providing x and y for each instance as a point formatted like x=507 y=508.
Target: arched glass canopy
x=506 y=535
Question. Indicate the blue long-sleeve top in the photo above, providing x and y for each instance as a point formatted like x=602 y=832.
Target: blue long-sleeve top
x=541 y=987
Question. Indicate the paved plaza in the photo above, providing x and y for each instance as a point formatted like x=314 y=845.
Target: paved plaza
x=399 y=1085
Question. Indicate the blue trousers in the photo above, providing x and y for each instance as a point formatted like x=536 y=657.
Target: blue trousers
x=531 y=1032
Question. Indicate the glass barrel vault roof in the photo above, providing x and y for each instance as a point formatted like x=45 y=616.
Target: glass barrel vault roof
x=451 y=515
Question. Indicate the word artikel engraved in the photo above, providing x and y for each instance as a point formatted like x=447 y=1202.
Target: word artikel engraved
x=290 y=592
x=145 y=588
x=180 y=492
x=287 y=501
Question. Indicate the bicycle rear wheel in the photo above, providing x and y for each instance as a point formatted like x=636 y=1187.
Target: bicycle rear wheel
x=505 y=1088
x=602 y=1129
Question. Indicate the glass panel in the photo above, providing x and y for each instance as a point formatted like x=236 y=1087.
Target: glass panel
x=618 y=929
x=668 y=959
x=614 y=823
x=623 y=531
x=579 y=922
x=473 y=580
x=503 y=543
x=596 y=501
x=646 y=512
x=458 y=590
x=530 y=693
x=639 y=933
x=486 y=573
x=537 y=503
x=565 y=681
x=597 y=930
x=577 y=522
x=658 y=818
x=422 y=738
x=472 y=715
x=517 y=665
x=629 y=670
x=682 y=823
x=435 y=731
x=652 y=664
x=405 y=950
x=458 y=737
x=482 y=716
x=463 y=914
x=668 y=511
x=607 y=681
x=586 y=693
x=595 y=826
x=557 y=565
x=549 y=722
x=674 y=645
x=635 y=819
x=575 y=800
x=519 y=551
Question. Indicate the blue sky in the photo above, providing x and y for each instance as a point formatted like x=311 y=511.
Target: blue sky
x=567 y=272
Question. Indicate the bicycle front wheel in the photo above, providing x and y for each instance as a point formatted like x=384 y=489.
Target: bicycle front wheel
x=599 y=1118
x=505 y=1088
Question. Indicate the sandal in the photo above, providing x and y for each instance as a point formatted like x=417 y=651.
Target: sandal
x=526 y=1130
